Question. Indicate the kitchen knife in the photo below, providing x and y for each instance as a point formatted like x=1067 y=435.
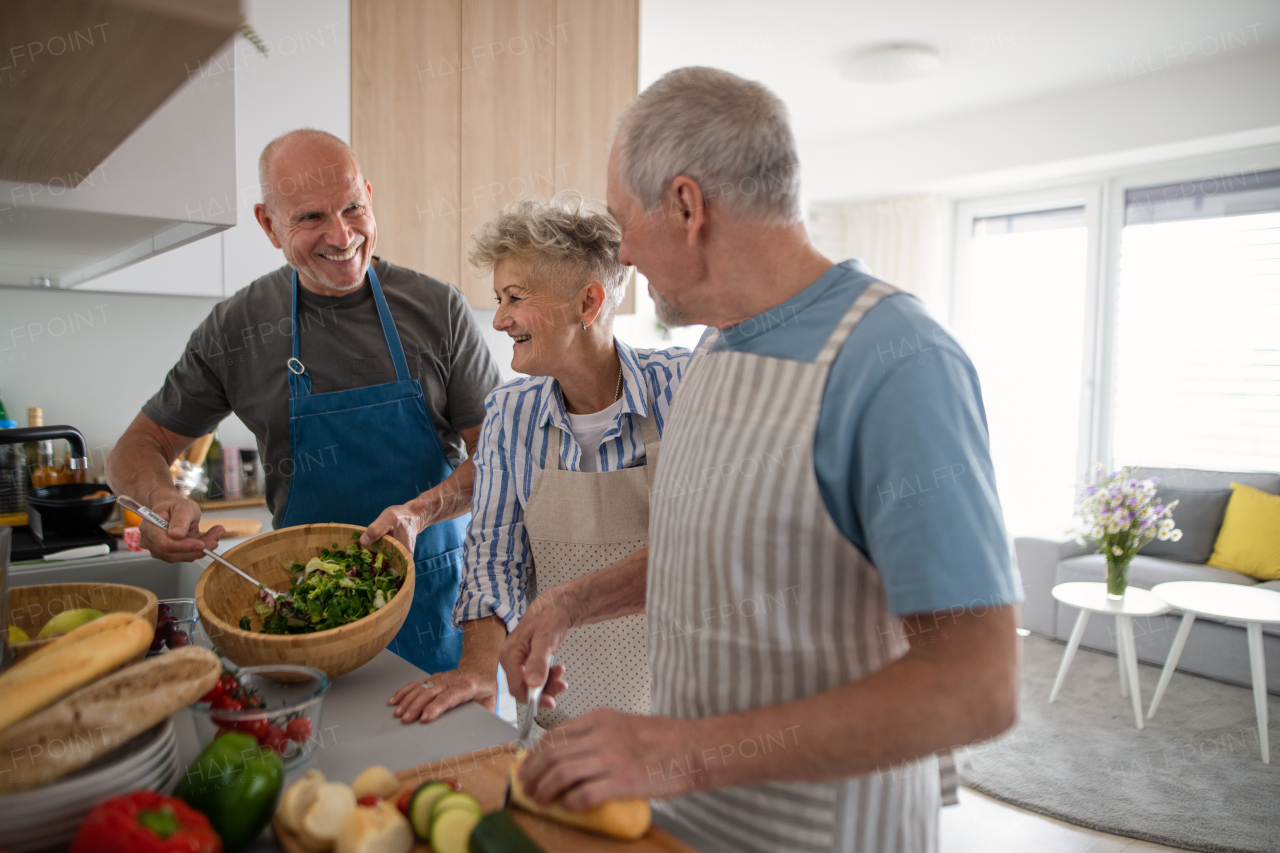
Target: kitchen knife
x=529 y=732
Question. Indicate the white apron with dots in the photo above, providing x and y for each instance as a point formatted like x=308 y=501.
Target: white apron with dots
x=581 y=522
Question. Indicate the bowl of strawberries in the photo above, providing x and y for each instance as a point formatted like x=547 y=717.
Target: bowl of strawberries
x=279 y=704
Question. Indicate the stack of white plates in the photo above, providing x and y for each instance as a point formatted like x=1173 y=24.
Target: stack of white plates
x=47 y=818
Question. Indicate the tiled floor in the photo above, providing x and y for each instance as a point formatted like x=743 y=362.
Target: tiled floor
x=983 y=825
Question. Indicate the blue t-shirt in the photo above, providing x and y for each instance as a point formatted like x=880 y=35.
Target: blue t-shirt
x=901 y=454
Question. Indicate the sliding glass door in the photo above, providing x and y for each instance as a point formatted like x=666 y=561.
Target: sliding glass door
x=1022 y=321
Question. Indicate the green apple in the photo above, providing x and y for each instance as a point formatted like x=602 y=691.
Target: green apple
x=68 y=620
x=17 y=635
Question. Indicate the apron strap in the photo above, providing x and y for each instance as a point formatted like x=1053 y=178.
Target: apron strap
x=867 y=300
x=553 y=453
x=389 y=328
x=300 y=379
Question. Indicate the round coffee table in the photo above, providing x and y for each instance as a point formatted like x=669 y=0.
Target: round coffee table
x=1092 y=598
x=1235 y=603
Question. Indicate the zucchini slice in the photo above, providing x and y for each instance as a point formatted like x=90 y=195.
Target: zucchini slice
x=420 y=806
x=451 y=801
x=451 y=830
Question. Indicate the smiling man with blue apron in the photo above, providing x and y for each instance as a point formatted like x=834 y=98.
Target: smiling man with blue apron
x=355 y=452
x=363 y=383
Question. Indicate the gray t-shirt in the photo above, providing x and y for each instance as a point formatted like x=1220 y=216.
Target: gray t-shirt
x=235 y=361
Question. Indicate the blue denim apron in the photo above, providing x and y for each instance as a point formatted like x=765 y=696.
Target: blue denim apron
x=354 y=453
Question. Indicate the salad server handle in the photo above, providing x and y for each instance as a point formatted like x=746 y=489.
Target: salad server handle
x=149 y=514
x=233 y=567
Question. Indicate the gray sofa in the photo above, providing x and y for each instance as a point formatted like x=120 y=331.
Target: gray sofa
x=1214 y=649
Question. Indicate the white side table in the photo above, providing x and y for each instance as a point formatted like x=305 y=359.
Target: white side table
x=1235 y=603
x=1092 y=598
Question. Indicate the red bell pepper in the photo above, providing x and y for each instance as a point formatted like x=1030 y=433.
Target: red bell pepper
x=145 y=822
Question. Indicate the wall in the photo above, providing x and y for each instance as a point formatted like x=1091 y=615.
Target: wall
x=90 y=359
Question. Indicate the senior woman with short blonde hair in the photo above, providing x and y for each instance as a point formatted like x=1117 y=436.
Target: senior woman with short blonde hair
x=564 y=465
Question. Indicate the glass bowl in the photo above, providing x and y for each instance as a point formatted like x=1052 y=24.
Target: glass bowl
x=290 y=693
x=182 y=616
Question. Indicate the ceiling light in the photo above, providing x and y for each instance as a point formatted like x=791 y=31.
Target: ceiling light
x=891 y=63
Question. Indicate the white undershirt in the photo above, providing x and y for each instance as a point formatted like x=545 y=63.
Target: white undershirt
x=588 y=431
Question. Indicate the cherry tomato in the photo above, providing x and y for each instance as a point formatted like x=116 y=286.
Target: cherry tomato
x=298 y=729
x=452 y=783
x=226 y=703
x=275 y=739
x=229 y=683
x=257 y=728
x=402 y=802
x=214 y=693
x=369 y=800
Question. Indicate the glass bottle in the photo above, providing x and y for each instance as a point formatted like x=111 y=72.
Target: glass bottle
x=213 y=467
x=13 y=474
x=43 y=472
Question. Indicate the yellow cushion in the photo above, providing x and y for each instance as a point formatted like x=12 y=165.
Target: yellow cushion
x=1249 y=539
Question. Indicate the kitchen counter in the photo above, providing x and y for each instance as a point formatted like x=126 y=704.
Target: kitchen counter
x=357 y=729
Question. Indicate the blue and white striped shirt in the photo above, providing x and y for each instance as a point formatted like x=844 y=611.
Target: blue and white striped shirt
x=513 y=449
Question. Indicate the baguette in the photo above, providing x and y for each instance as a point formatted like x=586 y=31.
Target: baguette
x=101 y=716
x=71 y=662
x=105 y=622
x=626 y=819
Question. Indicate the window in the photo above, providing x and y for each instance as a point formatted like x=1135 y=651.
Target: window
x=1197 y=347
x=1023 y=328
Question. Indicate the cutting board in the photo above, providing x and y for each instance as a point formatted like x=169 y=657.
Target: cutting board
x=483 y=775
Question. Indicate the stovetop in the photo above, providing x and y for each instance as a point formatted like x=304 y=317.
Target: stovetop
x=27 y=546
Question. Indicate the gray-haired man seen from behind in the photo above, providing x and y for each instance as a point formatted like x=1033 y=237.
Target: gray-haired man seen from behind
x=830 y=598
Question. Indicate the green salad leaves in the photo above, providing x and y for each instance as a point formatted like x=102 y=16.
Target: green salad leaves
x=333 y=589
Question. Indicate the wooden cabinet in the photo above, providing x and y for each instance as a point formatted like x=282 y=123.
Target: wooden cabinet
x=459 y=107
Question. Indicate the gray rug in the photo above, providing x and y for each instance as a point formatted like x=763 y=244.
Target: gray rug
x=1193 y=778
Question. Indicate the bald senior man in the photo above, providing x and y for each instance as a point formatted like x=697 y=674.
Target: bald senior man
x=828 y=587
x=363 y=382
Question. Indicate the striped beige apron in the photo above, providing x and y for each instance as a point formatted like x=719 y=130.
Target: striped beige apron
x=756 y=598
x=578 y=523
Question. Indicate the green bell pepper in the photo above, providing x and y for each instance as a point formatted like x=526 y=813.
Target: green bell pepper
x=235 y=783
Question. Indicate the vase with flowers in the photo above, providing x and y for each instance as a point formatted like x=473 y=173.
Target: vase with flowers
x=1119 y=514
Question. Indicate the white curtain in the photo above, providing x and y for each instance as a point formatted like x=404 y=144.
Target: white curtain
x=905 y=241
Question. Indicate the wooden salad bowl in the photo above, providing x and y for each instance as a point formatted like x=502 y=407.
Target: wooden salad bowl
x=30 y=607
x=223 y=597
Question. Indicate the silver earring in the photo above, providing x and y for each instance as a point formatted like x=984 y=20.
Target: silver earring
x=584 y=324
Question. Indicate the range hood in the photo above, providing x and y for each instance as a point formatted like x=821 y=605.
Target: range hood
x=117 y=133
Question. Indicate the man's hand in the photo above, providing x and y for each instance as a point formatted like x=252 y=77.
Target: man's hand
x=957 y=685
x=607 y=754
x=182 y=543
x=426 y=699
x=403 y=522
x=526 y=654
